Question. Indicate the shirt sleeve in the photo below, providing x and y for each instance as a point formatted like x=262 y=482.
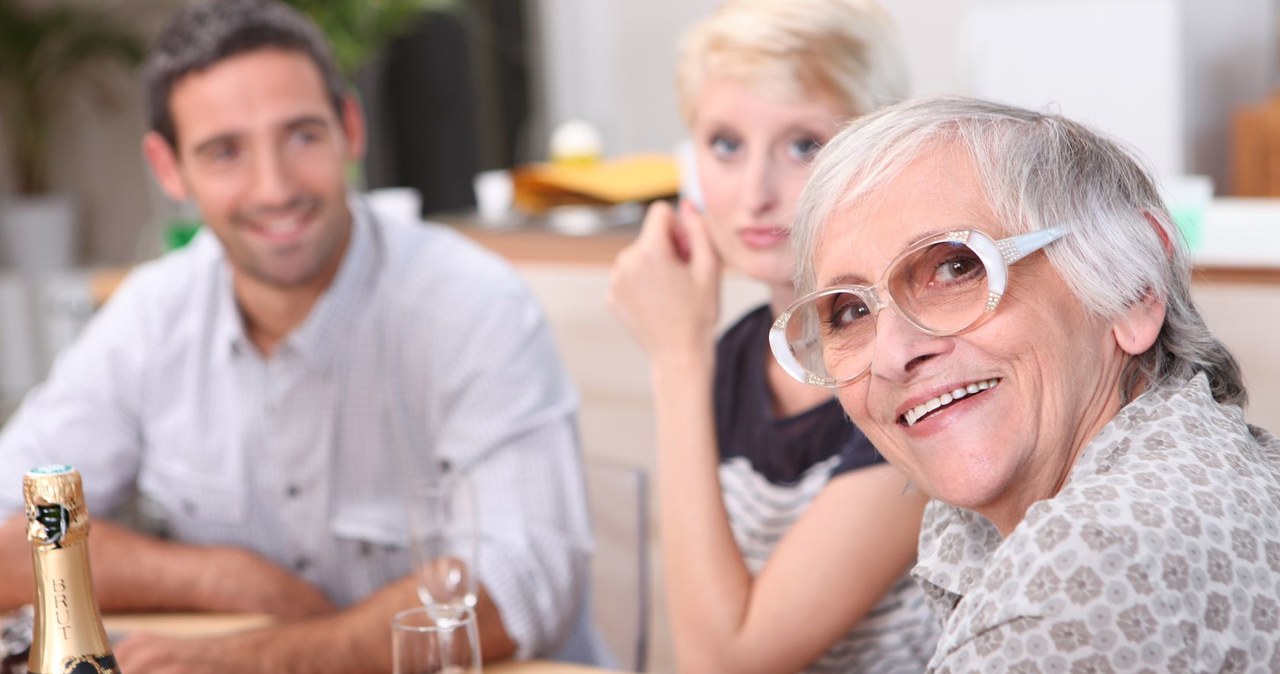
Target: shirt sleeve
x=508 y=423
x=85 y=412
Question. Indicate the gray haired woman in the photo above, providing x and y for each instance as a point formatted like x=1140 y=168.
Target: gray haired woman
x=1002 y=303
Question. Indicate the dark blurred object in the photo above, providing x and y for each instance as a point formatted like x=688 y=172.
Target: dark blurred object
x=15 y=640
x=449 y=100
x=48 y=51
x=357 y=29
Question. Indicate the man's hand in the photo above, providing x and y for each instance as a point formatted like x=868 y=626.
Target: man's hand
x=248 y=583
x=154 y=654
x=356 y=640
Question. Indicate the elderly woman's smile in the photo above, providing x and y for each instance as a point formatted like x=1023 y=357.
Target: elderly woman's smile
x=916 y=413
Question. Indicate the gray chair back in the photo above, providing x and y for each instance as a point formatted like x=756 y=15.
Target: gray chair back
x=618 y=496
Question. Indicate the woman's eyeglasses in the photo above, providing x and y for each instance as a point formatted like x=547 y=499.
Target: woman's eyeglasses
x=943 y=285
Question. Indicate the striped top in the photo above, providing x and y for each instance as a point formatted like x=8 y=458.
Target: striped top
x=771 y=469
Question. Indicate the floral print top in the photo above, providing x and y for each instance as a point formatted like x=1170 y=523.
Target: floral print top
x=1161 y=553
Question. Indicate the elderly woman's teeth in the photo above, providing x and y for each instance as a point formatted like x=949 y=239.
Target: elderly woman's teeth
x=917 y=413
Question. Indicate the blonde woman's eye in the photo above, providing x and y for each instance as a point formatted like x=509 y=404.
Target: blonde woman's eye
x=724 y=147
x=804 y=148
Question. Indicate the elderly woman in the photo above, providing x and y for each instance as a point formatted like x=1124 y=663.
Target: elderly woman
x=787 y=541
x=1003 y=305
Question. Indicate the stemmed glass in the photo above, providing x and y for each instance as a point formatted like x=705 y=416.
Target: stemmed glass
x=442 y=531
x=435 y=639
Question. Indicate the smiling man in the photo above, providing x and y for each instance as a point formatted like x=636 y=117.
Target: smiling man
x=273 y=390
x=1002 y=304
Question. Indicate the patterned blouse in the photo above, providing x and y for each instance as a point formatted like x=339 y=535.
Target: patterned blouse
x=1160 y=554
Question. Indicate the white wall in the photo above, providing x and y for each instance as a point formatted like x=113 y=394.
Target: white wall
x=1167 y=72
x=612 y=63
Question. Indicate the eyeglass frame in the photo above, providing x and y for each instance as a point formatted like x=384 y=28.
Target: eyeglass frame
x=990 y=251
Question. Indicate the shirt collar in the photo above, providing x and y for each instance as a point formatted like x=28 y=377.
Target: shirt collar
x=324 y=333
x=956 y=545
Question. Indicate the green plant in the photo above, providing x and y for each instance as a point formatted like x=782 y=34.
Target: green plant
x=46 y=49
x=358 y=28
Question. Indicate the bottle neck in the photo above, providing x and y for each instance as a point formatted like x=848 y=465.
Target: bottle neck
x=67 y=621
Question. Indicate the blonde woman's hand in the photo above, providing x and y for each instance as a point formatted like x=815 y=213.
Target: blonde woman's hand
x=665 y=287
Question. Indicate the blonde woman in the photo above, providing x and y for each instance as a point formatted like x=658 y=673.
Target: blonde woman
x=787 y=540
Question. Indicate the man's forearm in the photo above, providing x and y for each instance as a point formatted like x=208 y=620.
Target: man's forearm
x=354 y=641
x=133 y=572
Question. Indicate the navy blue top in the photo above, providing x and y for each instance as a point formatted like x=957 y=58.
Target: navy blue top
x=781 y=450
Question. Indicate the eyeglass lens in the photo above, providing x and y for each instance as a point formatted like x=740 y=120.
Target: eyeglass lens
x=941 y=287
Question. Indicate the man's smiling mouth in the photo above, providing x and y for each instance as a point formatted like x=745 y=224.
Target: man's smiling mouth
x=912 y=416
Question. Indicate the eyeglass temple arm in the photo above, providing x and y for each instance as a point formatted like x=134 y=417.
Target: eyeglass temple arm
x=1017 y=247
x=782 y=350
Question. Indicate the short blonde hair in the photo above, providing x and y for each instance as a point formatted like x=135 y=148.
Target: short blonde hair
x=845 y=49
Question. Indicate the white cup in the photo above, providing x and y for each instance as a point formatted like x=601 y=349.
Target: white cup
x=495 y=193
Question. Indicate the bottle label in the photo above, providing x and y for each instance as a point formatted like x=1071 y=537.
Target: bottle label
x=54 y=518
x=91 y=664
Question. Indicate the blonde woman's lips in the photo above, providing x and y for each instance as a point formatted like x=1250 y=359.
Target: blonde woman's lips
x=763 y=237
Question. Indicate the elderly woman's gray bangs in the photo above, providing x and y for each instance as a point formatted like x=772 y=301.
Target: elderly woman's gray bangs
x=1038 y=170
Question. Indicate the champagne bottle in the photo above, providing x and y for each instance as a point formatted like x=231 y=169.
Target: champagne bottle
x=68 y=637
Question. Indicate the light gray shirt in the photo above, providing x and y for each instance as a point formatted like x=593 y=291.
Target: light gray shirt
x=1161 y=553
x=426 y=351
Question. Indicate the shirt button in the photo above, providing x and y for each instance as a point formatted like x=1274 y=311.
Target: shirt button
x=301 y=564
x=188 y=507
x=366 y=548
x=292 y=491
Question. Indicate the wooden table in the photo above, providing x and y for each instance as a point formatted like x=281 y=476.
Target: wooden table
x=192 y=625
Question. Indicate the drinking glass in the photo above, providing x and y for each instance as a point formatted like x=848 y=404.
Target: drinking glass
x=435 y=640
x=442 y=532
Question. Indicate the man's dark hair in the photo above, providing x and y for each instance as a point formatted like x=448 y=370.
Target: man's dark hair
x=201 y=35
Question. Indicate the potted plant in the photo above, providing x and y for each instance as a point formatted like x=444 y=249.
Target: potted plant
x=47 y=51
x=357 y=29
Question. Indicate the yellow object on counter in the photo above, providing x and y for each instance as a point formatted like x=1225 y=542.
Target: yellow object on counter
x=643 y=177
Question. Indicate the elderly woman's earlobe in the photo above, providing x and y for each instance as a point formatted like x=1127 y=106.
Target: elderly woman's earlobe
x=1138 y=327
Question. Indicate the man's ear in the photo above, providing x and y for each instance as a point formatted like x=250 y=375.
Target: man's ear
x=1138 y=327
x=353 y=127
x=163 y=160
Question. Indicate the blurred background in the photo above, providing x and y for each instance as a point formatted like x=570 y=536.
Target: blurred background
x=468 y=85
x=456 y=87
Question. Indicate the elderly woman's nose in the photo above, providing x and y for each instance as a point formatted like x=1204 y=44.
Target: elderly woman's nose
x=899 y=347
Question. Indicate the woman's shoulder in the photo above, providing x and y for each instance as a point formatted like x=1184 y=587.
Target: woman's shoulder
x=749 y=333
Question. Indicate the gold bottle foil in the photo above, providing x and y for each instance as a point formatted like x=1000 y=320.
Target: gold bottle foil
x=68 y=636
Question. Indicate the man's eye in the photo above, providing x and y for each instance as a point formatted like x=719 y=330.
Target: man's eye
x=305 y=137
x=223 y=152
